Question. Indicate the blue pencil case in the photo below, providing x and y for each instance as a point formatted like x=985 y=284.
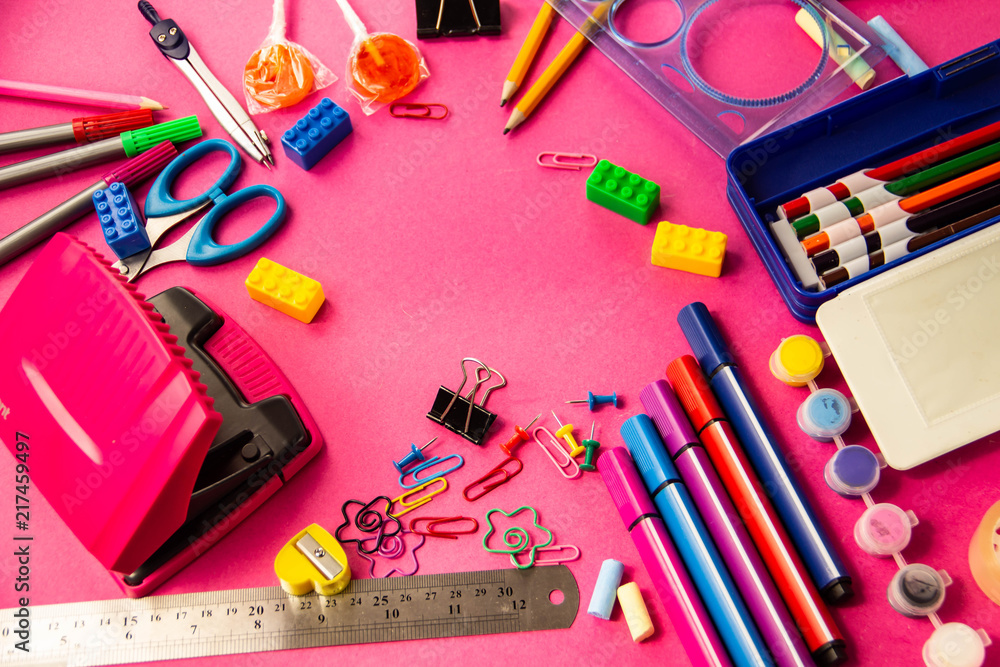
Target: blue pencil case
x=887 y=123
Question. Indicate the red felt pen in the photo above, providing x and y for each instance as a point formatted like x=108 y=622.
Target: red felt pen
x=824 y=639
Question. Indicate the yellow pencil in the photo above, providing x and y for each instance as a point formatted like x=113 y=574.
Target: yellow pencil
x=527 y=52
x=554 y=71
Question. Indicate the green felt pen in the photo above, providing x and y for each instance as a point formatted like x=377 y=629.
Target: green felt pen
x=128 y=144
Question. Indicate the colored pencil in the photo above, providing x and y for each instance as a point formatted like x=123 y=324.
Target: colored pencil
x=90 y=98
x=867 y=178
x=856 y=267
x=527 y=53
x=818 y=628
x=883 y=194
x=907 y=227
x=554 y=71
x=897 y=210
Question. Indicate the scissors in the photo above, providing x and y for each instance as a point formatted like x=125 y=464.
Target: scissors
x=197 y=246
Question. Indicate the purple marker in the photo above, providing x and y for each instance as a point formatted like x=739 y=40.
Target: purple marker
x=737 y=549
x=687 y=613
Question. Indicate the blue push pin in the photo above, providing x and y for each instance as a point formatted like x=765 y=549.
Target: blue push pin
x=415 y=455
x=593 y=401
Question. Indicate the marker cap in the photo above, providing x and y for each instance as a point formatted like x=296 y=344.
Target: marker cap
x=704 y=337
x=666 y=412
x=648 y=452
x=139 y=141
x=625 y=486
x=693 y=392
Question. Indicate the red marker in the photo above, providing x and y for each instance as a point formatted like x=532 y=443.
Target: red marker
x=818 y=628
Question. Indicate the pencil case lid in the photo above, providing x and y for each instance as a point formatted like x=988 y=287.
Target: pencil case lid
x=114 y=422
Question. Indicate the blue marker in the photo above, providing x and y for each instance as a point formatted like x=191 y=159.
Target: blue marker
x=686 y=528
x=823 y=563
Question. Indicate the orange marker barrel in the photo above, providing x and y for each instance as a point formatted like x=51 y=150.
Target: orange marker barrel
x=824 y=639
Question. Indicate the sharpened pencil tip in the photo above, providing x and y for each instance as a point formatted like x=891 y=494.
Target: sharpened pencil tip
x=506 y=130
x=503 y=102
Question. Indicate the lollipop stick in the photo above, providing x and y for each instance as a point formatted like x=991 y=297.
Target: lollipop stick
x=278 y=26
x=360 y=32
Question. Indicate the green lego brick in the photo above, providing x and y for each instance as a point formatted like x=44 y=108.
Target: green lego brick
x=623 y=192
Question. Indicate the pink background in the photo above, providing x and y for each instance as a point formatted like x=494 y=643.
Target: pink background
x=436 y=241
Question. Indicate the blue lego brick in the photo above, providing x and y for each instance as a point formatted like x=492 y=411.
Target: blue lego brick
x=316 y=133
x=122 y=223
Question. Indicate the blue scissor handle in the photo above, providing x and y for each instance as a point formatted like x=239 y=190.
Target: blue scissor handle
x=160 y=203
x=204 y=251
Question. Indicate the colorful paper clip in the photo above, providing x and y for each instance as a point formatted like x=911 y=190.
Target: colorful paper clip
x=501 y=475
x=411 y=505
x=392 y=549
x=429 y=463
x=419 y=111
x=569 y=463
x=520 y=533
x=434 y=521
x=574 y=553
x=560 y=160
x=369 y=520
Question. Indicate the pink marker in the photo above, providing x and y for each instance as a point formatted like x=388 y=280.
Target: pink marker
x=688 y=615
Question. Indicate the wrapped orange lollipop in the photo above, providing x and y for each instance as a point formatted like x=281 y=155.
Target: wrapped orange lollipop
x=382 y=67
x=281 y=73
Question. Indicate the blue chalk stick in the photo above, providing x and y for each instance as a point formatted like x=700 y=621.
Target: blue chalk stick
x=602 y=602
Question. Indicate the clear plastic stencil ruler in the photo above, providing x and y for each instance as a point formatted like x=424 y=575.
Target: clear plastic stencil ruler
x=268 y=619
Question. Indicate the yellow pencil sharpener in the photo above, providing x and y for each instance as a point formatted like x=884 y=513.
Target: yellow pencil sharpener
x=312 y=560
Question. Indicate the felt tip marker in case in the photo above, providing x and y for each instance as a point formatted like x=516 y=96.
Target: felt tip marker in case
x=687 y=612
x=824 y=564
x=715 y=585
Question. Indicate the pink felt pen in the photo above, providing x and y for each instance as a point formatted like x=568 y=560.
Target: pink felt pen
x=688 y=615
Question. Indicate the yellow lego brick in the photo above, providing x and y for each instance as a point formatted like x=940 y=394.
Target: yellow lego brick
x=285 y=290
x=689 y=249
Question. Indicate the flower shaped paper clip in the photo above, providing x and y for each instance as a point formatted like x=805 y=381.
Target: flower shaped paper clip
x=369 y=520
x=520 y=533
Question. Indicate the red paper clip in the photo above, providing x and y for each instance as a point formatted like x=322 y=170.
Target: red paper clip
x=501 y=474
x=424 y=111
x=438 y=520
x=561 y=160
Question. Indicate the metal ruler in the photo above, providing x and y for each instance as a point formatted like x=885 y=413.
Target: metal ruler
x=252 y=620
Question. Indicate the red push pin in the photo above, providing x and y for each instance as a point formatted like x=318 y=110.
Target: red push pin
x=520 y=435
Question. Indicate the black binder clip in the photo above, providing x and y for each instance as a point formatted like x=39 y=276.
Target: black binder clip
x=456 y=18
x=461 y=414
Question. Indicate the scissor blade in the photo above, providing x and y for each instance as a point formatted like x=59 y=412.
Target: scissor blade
x=175 y=252
x=224 y=107
x=156 y=228
x=131 y=266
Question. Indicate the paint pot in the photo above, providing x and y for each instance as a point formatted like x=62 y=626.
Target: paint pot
x=883 y=530
x=954 y=645
x=917 y=590
x=825 y=414
x=852 y=471
x=797 y=361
